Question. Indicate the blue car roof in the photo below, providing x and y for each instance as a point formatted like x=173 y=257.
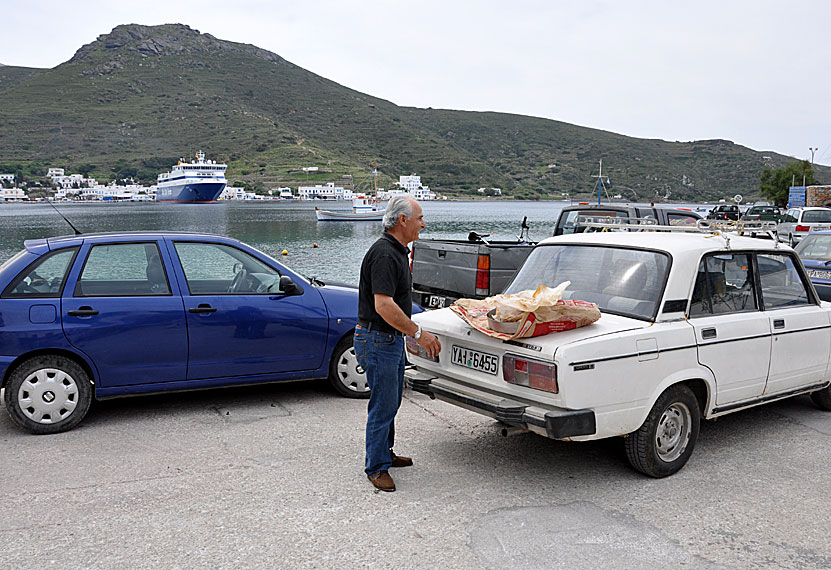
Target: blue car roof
x=42 y=245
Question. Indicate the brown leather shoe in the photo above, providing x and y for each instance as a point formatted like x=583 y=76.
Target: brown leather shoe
x=401 y=461
x=382 y=481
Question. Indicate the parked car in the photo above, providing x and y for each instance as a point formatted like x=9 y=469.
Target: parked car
x=761 y=214
x=815 y=252
x=724 y=212
x=799 y=222
x=693 y=325
x=106 y=315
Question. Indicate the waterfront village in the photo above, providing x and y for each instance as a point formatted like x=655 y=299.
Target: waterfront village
x=76 y=187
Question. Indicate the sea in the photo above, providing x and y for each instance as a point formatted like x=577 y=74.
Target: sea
x=325 y=250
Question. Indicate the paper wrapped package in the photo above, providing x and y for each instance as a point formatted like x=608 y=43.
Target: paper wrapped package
x=527 y=313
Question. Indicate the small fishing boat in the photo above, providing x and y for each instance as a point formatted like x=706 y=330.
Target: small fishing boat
x=364 y=209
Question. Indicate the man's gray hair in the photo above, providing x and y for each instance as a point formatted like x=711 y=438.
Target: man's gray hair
x=398 y=204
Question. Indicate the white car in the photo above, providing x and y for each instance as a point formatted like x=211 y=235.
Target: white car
x=693 y=325
x=799 y=222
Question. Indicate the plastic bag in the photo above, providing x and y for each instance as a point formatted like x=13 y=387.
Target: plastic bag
x=513 y=307
x=548 y=313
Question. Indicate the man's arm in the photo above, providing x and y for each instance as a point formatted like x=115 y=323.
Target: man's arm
x=395 y=317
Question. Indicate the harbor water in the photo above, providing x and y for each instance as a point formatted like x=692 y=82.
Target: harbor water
x=273 y=226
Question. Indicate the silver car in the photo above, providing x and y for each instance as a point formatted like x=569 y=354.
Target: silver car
x=799 y=222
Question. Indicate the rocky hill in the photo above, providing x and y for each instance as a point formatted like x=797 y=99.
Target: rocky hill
x=136 y=99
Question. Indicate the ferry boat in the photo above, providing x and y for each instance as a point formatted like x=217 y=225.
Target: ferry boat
x=364 y=209
x=196 y=181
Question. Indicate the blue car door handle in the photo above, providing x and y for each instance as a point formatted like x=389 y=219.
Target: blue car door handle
x=82 y=312
x=202 y=308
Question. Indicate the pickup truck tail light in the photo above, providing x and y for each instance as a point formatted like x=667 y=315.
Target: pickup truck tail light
x=483 y=274
x=414 y=348
x=801 y=228
x=524 y=372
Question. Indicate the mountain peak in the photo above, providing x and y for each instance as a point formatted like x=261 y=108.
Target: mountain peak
x=163 y=41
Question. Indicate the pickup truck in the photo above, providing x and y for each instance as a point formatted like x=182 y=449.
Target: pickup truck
x=447 y=269
x=693 y=326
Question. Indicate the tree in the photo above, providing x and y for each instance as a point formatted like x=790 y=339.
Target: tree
x=775 y=184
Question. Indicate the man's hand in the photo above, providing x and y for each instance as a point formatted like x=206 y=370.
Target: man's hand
x=395 y=317
x=430 y=343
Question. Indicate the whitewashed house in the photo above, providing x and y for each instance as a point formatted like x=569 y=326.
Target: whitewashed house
x=412 y=185
x=326 y=191
x=13 y=195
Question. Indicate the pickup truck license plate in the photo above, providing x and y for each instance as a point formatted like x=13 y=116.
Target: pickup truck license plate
x=435 y=301
x=819 y=274
x=481 y=361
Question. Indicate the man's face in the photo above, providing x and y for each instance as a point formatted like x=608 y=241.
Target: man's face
x=413 y=225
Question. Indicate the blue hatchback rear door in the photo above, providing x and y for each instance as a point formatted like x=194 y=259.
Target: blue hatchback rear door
x=121 y=309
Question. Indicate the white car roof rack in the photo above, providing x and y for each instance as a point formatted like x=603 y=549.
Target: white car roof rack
x=712 y=227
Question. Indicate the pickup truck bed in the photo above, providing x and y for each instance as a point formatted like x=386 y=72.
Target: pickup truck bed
x=445 y=270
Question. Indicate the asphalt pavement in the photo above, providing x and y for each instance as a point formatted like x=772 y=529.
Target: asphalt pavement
x=272 y=477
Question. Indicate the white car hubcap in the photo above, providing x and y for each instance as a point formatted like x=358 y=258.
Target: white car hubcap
x=673 y=432
x=48 y=395
x=350 y=373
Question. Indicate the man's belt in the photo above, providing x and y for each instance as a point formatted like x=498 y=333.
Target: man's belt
x=381 y=327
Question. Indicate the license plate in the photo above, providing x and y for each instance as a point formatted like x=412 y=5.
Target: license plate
x=435 y=301
x=819 y=227
x=481 y=361
x=819 y=274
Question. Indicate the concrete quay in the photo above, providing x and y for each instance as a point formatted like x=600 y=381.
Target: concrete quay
x=271 y=477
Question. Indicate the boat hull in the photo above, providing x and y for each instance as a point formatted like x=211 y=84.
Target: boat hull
x=190 y=192
x=348 y=216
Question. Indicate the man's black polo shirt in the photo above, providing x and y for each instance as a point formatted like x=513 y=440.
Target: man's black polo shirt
x=385 y=270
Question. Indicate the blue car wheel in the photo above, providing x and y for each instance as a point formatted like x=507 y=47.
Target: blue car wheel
x=48 y=394
x=345 y=374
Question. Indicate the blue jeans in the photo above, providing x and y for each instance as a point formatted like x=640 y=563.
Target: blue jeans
x=381 y=354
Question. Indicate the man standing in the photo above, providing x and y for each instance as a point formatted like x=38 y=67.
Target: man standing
x=384 y=310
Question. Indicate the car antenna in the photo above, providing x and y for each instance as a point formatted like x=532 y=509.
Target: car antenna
x=77 y=233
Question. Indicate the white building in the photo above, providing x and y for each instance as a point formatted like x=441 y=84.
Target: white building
x=412 y=185
x=310 y=169
x=12 y=195
x=232 y=193
x=74 y=180
x=7 y=178
x=326 y=191
x=55 y=172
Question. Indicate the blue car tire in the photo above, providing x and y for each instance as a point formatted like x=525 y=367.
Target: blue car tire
x=48 y=394
x=345 y=374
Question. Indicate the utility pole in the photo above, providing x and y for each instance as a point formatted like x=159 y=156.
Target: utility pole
x=813 y=149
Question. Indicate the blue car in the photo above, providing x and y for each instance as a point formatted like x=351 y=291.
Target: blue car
x=815 y=252
x=107 y=315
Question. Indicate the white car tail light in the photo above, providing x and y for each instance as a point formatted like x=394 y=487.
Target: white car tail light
x=414 y=348
x=531 y=373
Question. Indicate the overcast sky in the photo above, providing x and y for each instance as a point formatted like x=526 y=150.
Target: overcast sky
x=754 y=72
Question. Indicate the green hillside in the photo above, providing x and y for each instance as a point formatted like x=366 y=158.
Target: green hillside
x=138 y=98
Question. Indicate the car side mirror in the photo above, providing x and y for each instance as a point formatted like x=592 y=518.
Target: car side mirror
x=289 y=287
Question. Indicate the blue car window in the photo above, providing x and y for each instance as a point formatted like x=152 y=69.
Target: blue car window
x=815 y=246
x=44 y=278
x=123 y=270
x=219 y=269
x=781 y=283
